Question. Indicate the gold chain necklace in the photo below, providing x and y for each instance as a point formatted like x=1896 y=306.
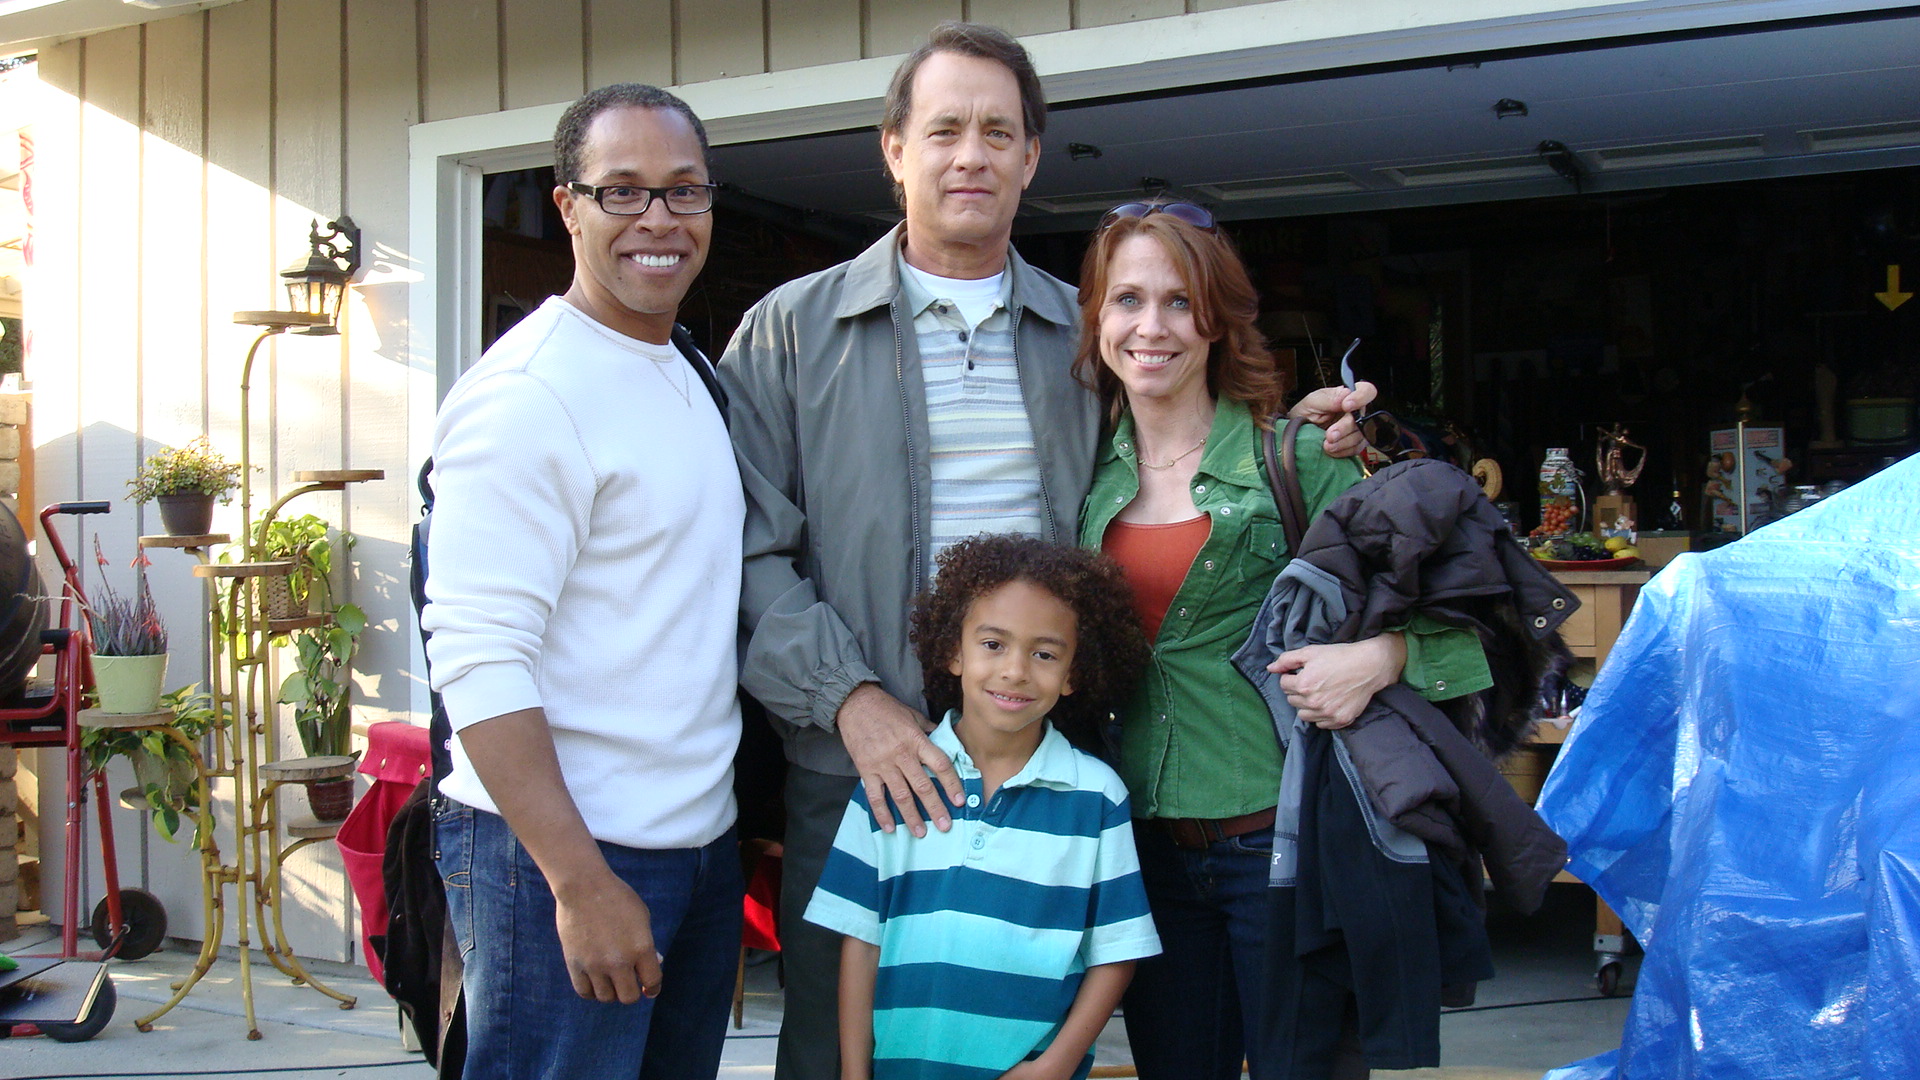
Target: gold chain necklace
x=1171 y=462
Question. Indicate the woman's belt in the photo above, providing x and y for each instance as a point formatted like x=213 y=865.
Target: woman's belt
x=1194 y=834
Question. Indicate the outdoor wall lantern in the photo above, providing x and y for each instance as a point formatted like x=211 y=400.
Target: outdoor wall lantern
x=317 y=285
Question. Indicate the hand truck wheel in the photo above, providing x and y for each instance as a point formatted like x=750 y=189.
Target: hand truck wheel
x=146 y=925
x=1607 y=977
x=89 y=1025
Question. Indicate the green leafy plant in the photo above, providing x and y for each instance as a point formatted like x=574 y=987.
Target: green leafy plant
x=304 y=541
x=320 y=688
x=163 y=768
x=124 y=625
x=193 y=468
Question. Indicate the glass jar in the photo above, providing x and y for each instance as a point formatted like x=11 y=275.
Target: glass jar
x=1559 y=493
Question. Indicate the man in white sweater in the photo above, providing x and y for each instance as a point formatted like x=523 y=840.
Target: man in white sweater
x=585 y=570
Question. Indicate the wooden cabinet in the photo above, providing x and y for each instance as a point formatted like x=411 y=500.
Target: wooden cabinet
x=1606 y=599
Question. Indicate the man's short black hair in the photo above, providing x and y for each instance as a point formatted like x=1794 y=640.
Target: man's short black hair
x=570 y=136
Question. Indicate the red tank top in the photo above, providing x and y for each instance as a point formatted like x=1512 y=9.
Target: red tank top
x=1156 y=559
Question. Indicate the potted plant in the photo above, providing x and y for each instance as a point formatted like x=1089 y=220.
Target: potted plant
x=319 y=690
x=304 y=542
x=129 y=643
x=185 y=480
x=164 y=771
x=319 y=687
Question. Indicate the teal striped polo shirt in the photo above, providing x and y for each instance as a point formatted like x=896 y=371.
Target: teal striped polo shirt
x=986 y=930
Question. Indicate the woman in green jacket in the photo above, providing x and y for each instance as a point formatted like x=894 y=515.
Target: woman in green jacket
x=1180 y=499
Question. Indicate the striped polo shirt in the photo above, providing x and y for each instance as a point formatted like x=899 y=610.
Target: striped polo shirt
x=986 y=475
x=986 y=930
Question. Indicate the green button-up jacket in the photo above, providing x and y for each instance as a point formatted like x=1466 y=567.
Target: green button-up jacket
x=1196 y=739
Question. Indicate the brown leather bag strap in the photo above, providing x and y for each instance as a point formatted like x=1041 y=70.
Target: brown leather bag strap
x=1283 y=477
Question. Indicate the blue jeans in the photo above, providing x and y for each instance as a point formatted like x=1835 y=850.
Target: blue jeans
x=524 y=1019
x=1184 y=1007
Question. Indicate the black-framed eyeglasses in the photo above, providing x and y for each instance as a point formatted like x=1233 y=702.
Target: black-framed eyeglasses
x=632 y=200
x=1197 y=216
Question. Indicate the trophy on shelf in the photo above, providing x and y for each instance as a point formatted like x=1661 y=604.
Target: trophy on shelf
x=1615 y=510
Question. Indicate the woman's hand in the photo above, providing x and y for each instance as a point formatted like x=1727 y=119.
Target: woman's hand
x=1330 y=685
x=1333 y=407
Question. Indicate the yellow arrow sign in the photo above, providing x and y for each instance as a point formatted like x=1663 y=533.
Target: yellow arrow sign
x=1893 y=297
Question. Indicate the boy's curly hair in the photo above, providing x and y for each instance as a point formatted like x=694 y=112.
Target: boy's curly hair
x=1111 y=652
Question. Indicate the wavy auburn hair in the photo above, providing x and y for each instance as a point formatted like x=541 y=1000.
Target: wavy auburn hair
x=1225 y=307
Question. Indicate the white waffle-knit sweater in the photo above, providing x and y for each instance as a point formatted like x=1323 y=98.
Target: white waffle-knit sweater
x=585 y=559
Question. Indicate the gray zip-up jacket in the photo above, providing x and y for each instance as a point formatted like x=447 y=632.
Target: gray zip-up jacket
x=829 y=420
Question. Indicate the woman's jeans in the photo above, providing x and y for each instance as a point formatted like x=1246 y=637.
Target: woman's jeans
x=524 y=1019
x=1183 y=1009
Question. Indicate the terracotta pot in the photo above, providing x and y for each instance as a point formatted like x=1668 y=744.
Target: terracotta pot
x=330 y=799
x=186 y=513
x=129 y=684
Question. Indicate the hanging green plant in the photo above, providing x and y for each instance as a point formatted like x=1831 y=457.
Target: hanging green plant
x=163 y=769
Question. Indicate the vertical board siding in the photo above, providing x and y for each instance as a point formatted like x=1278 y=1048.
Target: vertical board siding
x=629 y=41
x=719 y=38
x=112 y=389
x=544 y=52
x=1023 y=16
x=902 y=26
x=802 y=33
x=304 y=401
x=1108 y=12
x=109 y=135
x=240 y=250
x=173 y=338
x=382 y=75
x=52 y=309
x=461 y=57
x=305 y=418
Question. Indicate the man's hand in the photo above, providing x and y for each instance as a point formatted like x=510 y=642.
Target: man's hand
x=606 y=935
x=1333 y=407
x=889 y=745
x=1330 y=685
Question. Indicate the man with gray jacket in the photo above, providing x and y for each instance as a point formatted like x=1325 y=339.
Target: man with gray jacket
x=882 y=410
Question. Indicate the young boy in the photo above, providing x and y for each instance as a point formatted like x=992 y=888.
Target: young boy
x=999 y=949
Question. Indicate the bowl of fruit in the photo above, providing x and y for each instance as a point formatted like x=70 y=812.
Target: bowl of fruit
x=1585 y=551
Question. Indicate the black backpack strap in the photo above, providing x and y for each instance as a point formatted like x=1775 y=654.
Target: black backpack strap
x=1283 y=478
x=439 y=728
x=683 y=340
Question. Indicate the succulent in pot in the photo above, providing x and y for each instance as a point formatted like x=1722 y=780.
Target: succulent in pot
x=129 y=642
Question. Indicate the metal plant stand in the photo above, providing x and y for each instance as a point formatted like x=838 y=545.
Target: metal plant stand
x=245 y=750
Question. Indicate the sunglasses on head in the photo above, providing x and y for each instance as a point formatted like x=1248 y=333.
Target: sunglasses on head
x=1197 y=216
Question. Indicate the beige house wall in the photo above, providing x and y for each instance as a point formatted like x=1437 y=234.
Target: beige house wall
x=180 y=162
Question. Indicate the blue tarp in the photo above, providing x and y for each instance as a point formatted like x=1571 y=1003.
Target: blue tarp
x=1743 y=787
